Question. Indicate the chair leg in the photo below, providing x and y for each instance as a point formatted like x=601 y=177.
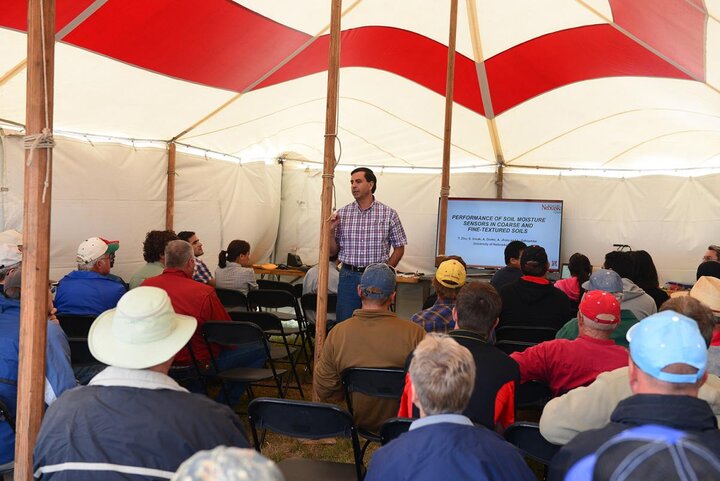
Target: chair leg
x=364 y=448
x=293 y=366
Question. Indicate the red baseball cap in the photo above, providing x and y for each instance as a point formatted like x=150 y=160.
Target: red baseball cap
x=601 y=308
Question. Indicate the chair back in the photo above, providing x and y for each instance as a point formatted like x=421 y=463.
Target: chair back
x=303 y=419
x=518 y=338
x=386 y=383
x=532 y=395
x=527 y=438
x=309 y=305
x=267 y=321
x=274 y=299
x=231 y=333
x=232 y=299
x=393 y=428
x=276 y=285
x=76 y=329
x=6 y=415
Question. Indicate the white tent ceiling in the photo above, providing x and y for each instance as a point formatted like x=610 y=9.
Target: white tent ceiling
x=585 y=84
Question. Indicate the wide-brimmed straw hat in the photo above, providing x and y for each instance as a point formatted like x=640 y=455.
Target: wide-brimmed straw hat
x=142 y=331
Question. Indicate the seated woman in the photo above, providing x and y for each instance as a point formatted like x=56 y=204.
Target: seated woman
x=580 y=270
x=234 y=271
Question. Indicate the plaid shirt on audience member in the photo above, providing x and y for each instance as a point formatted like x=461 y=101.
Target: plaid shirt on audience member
x=202 y=273
x=364 y=237
x=436 y=318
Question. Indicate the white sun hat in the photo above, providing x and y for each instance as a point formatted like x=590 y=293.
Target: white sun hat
x=142 y=331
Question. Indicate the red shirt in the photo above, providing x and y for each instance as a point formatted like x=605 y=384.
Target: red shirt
x=566 y=364
x=195 y=299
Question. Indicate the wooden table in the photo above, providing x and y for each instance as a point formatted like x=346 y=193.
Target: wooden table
x=297 y=273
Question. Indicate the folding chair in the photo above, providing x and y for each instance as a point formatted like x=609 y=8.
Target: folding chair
x=276 y=285
x=308 y=420
x=527 y=438
x=518 y=338
x=76 y=329
x=234 y=300
x=272 y=299
x=272 y=326
x=233 y=334
x=385 y=383
x=394 y=427
x=308 y=302
x=532 y=395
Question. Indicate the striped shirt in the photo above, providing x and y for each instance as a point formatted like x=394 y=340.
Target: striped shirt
x=364 y=237
x=235 y=277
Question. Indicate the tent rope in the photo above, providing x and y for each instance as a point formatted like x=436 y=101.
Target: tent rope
x=43 y=140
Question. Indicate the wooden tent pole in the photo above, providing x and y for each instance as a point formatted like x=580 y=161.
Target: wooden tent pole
x=36 y=227
x=447 y=135
x=499 y=178
x=328 y=175
x=170 y=202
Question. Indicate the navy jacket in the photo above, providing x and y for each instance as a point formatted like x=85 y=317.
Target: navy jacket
x=128 y=433
x=448 y=451
x=685 y=413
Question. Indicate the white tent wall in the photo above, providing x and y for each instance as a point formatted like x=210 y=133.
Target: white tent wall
x=119 y=192
x=673 y=218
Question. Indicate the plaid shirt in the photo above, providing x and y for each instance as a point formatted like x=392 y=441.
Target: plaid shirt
x=364 y=237
x=202 y=273
x=436 y=318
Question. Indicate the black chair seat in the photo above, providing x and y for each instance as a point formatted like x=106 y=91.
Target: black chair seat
x=298 y=469
x=278 y=352
x=527 y=438
x=394 y=427
x=248 y=374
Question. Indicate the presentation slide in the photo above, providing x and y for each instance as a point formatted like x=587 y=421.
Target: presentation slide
x=479 y=229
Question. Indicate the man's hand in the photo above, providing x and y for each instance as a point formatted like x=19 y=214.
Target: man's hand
x=334 y=220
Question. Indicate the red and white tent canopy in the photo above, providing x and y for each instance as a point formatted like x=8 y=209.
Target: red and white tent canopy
x=596 y=84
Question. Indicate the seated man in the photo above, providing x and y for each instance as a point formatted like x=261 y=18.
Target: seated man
x=634 y=298
x=88 y=291
x=492 y=403
x=712 y=254
x=200 y=301
x=565 y=364
x=310 y=281
x=444 y=444
x=202 y=273
x=58 y=374
x=608 y=281
x=154 y=255
x=511 y=272
x=448 y=279
x=132 y=418
x=590 y=407
x=228 y=464
x=10 y=258
x=532 y=300
x=372 y=337
x=666 y=370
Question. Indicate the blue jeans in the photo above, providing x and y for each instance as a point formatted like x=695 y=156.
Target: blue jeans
x=347 y=296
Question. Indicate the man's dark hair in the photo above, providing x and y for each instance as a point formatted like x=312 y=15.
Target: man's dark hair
x=369 y=176
x=478 y=306
x=235 y=249
x=534 y=261
x=185 y=235
x=620 y=262
x=512 y=250
x=155 y=242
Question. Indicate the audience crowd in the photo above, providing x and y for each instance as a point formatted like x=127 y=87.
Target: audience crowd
x=631 y=369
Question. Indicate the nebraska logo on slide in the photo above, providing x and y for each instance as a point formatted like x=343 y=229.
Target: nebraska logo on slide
x=555 y=207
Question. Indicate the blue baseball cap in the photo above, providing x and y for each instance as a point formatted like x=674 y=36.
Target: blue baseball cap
x=604 y=280
x=378 y=281
x=668 y=338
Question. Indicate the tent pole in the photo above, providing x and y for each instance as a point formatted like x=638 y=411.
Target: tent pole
x=36 y=227
x=170 y=202
x=499 y=181
x=447 y=135
x=328 y=176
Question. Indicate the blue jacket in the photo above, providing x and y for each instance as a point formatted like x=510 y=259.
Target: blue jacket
x=119 y=432
x=87 y=293
x=59 y=375
x=448 y=451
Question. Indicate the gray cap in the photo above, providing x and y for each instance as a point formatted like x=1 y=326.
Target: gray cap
x=228 y=464
x=604 y=280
